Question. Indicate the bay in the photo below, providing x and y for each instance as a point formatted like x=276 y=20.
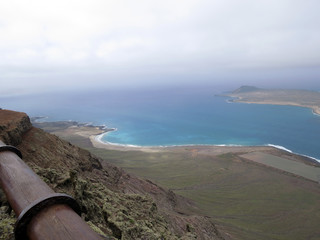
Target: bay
x=178 y=116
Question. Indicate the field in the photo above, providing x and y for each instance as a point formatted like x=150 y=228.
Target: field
x=293 y=167
x=246 y=199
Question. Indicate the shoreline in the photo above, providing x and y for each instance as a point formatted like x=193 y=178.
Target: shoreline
x=95 y=133
x=98 y=143
x=315 y=109
x=97 y=139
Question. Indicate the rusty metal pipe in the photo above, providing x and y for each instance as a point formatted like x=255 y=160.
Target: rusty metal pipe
x=42 y=213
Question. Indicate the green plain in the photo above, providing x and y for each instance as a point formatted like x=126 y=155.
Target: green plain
x=245 y=199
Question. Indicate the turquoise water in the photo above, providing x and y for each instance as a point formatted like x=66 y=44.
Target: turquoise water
x=179 y=116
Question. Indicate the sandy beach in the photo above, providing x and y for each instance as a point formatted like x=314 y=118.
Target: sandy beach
x=95 y=134
x=210 y=150
x=204 y=149
x=92 y=136
x=207 y=149
x=98 y=143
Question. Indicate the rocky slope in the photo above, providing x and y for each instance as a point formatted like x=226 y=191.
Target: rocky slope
x=115 y=203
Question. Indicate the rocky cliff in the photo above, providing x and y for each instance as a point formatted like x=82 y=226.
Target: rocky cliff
x=114 y=203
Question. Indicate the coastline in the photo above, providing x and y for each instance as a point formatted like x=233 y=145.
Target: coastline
x=98 y=143
x=93 y=134
x=218 y=149
x=210 y=171
x=315 y=109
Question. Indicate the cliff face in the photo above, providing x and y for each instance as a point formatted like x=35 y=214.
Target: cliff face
x=12 y=126
x=113 y=202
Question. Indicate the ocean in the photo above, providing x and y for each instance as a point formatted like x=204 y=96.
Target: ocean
x=178 y=116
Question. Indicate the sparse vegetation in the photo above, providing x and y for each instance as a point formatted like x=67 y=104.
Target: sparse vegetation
x=247 y=200
x=113 y=202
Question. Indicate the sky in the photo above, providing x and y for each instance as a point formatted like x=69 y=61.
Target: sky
x=81 y=44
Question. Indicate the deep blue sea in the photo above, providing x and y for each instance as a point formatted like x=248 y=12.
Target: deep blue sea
x=178 y=116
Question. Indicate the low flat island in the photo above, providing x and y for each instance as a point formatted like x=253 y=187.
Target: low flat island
x=291 y=97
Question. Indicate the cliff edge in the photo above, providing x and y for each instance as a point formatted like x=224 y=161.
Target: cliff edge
x=114 y=203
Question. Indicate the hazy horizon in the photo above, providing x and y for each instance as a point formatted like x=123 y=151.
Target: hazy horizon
x=52 y=46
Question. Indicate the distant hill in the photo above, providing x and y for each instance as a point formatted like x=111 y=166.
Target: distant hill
x=245 y=89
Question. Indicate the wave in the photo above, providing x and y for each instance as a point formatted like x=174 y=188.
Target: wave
x=230 y=101
x=229 y=145
x=100 y=136
x=99 y=139
x=316 y=159
x=279 y=147
x=314 y=113
x=288 y=150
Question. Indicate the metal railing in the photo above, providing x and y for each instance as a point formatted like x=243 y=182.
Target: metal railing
x=42 y=213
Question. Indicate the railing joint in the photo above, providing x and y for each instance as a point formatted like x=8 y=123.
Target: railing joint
x=11 y=149
x=34 y=208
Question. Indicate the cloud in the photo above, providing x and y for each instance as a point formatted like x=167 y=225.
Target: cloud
x=41 y=39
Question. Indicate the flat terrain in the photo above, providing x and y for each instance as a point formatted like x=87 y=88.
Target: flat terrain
x=297 y=168
x=302 y=98
x=250 y=192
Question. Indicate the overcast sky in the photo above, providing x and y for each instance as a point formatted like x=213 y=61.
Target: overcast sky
x=63 y=43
